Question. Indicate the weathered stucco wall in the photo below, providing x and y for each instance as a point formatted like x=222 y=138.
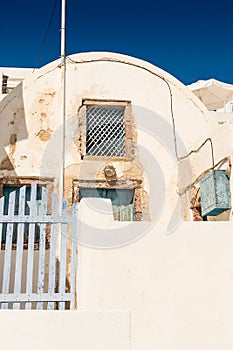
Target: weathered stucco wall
x=31 y=117
x=176 y=279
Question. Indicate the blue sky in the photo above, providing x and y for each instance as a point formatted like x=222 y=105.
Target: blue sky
x=190 y=40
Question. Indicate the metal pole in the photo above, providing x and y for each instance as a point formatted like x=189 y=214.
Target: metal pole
x=61 y=170
x=63 y=93
x=63 y=32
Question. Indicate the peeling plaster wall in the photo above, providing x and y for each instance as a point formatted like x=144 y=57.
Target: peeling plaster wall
x=32 y=112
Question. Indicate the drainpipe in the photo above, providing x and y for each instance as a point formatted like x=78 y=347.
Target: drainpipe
x=63 y=95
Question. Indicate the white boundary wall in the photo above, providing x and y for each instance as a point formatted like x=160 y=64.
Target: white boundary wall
x=62 y=330
x=179 y=287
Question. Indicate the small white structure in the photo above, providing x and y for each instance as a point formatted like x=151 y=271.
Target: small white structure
x=217 y=96
x=11 y=77
x=213 y=93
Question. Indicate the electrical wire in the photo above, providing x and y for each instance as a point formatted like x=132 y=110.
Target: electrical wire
x=171 y=103
x=46 y=35
x=199 y=148
x=189 y=187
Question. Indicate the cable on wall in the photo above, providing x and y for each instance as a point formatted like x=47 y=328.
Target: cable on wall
x=219 y=164
x=171 y=103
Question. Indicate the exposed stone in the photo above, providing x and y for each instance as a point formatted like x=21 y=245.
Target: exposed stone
x=43 y=115
x=44 y=135
x=196 y=205
x=6 y=164
x=13 y=139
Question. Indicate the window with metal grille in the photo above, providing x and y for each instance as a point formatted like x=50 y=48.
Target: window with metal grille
x=105 y=134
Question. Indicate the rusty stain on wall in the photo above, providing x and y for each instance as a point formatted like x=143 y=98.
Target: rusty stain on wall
x=12 y=121
x=52 y=94
x=196 y=205
x=13 y=139
x=43 y=116
x=44 y=135
x=6 y=164
x=46 y=97
x=12 y=146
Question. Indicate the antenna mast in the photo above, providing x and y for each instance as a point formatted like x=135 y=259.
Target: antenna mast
x=63 y=94
x=63 y=32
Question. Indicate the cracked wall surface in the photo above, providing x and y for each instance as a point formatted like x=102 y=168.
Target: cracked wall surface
x=34 y=134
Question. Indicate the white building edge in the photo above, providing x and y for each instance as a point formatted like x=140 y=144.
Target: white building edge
x=165 y=281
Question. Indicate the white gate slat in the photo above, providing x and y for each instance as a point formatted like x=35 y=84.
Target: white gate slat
x=48 y=219
x=31 y=239
x=73 y=257
x=8 y=248
x=41 y=264
x=52 y=255
x=20 y=242
x=34 y=297
x=1 y=225
x=63 y=248
x=40 y=295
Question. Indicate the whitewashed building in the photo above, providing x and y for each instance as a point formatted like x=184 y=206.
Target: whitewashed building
x=137 y=140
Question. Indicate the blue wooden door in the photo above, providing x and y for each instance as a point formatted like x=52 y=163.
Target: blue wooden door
x=7 y=189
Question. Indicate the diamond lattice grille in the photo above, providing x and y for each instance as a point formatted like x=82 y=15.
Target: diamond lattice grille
x=105 y=132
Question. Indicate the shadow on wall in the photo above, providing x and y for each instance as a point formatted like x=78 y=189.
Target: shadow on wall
x=13 y=128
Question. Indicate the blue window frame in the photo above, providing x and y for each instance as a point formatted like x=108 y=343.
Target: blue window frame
x=122 y=200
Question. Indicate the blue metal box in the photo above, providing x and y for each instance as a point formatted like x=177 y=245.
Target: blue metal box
x=215 y=193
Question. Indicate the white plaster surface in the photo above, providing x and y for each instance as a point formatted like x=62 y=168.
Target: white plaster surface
x=42 y=330
x=178 y=287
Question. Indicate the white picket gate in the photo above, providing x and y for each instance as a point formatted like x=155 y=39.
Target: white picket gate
x=36 y=277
